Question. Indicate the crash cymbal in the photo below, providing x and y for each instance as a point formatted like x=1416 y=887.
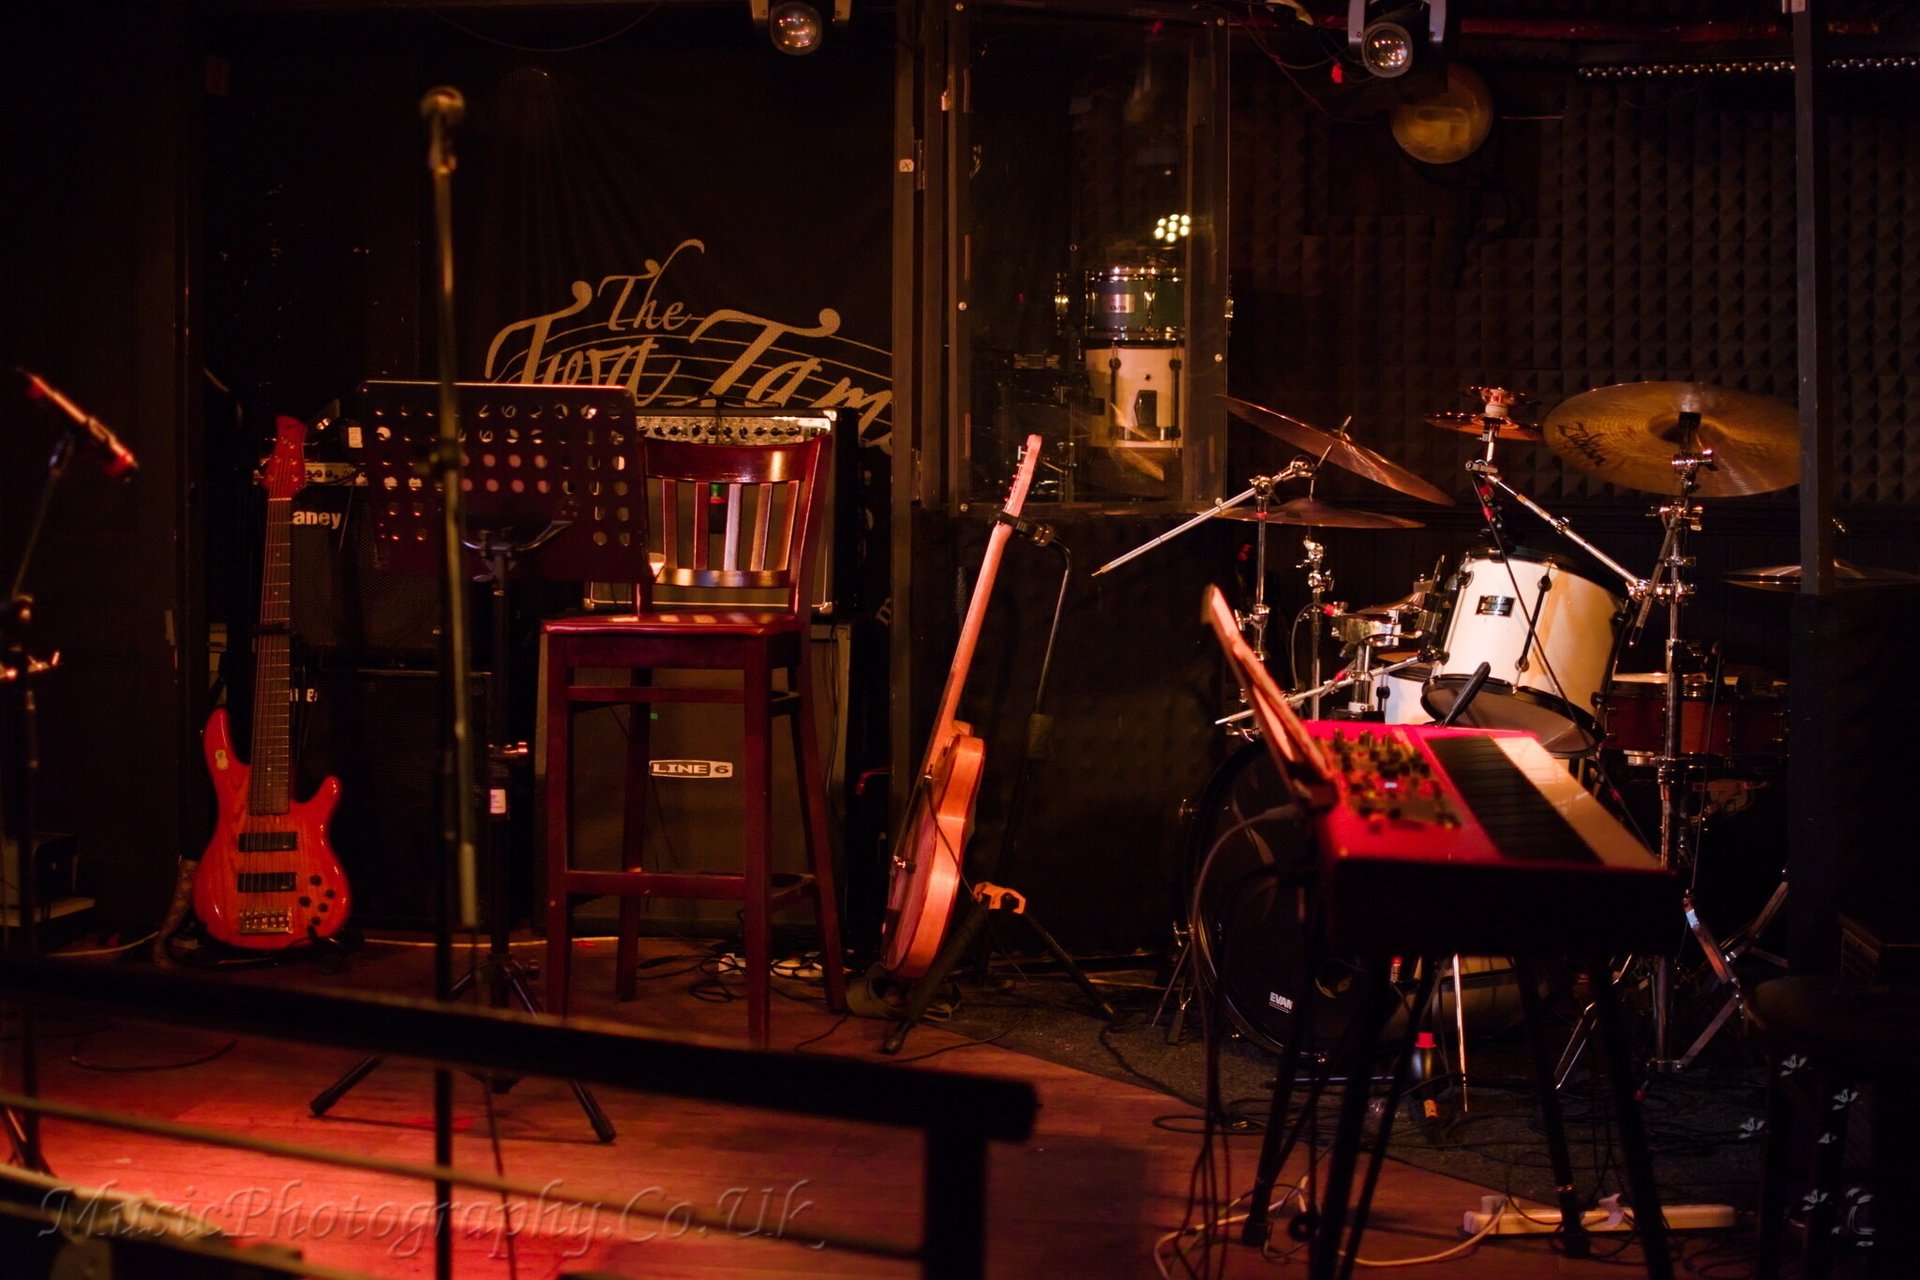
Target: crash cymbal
x=1338 y=450
x=1628 y=435
x=1313 y=513
x=1846 y=575
x=1475 y=424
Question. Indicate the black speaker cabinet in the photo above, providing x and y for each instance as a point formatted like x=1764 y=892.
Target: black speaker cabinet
x=345 y=601
x=378 y=731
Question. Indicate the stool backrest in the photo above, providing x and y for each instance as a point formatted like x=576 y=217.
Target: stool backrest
x=732 y=523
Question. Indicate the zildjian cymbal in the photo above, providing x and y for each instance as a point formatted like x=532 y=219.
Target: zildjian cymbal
x=1338 y=450
x=1846 y=575
x=1316 y=514
x=1629 y=435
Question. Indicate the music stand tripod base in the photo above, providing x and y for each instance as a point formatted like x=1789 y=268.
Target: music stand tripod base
x=539 y=466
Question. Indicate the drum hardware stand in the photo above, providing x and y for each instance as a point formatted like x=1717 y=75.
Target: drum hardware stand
x=1340 y=680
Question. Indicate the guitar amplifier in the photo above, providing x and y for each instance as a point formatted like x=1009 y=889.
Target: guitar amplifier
x=378 y=731
x=756 y=425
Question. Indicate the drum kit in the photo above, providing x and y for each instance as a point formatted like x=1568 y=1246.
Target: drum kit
x=1527 y=639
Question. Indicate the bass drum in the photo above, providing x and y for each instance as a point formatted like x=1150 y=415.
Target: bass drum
x=1253 y=912
x=1254 y=920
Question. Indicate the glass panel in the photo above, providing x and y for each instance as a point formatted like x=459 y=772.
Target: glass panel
x=1093 y=294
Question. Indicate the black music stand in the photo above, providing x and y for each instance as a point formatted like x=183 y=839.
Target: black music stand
x=551 y=491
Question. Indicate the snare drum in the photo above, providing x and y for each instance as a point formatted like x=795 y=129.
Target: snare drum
x=1546 y=633
x=1136 y=304
x=1736 y=727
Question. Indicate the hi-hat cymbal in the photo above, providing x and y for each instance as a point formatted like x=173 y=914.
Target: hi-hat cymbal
x=1338 y=450
x=1313 y=513
x=1846 y=575
x=1475 y=424
x=1628 y=435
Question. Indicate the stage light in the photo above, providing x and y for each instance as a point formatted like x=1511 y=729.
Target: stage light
x=797 y=27
x=1172 y=228
x=1393 y=37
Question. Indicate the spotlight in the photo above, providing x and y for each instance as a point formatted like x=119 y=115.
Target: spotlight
x=1392 y=37
x=797 y=26
x=1173 y=227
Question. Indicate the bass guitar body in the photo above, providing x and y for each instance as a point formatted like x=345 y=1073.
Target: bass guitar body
x=267 y=880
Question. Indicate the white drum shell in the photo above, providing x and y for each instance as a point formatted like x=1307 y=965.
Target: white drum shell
x=1548 y=673
x=1141 y=369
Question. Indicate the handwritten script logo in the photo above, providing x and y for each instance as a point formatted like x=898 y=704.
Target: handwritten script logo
x=629 y=330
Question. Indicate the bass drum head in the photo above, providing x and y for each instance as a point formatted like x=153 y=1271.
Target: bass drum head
x=1253 y=910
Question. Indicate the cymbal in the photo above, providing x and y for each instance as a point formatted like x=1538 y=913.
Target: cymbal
x=1627 y=435
x=1474 y=424
x=1846 y=575
x=1316 y=514
x=1338 y=450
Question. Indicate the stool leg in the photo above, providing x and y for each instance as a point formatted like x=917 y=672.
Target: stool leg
x=559 y=852
x=813 y=790
x=1831 y=1108
x=756 y=791
x=1776 y=1156
x=633 y=835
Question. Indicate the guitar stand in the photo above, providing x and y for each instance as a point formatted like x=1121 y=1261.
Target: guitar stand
x=989 y=900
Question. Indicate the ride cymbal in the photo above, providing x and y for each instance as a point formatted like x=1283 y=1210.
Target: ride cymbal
x=1628 y=435
x=1338 y=450
x=1846 y=576
x=1313 y=513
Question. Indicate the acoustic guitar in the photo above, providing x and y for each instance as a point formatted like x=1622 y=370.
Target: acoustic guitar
x=925 y=878
x=268 y=879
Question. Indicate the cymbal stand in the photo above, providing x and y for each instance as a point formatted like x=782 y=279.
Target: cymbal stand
x=1678 y=837
x=1638 y=588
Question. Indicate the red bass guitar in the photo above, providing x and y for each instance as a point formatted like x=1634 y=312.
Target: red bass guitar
x=926 y=863
x=268 y=879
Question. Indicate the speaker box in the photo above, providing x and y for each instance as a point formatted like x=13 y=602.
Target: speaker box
x=378 y=731
x=345 y=601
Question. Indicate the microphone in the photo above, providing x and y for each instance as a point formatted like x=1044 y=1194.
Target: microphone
x=445 y=102
x=1467 y=694
x=113 y=457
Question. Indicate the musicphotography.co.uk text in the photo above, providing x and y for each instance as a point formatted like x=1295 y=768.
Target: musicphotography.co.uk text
x=290 y=1215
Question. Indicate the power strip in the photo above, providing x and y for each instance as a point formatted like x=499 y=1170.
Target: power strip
x=1513 y=1218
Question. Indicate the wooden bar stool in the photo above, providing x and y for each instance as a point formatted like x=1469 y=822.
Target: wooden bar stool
x=731 y=532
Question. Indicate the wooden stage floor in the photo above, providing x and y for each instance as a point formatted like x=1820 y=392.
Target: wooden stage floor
x=1096 y=1191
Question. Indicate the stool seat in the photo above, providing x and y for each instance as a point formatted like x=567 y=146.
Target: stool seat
x=1848 y=1023
x=733 y=622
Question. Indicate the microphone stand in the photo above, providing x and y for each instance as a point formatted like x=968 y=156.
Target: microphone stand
x=442 y=108
x=19 y=668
